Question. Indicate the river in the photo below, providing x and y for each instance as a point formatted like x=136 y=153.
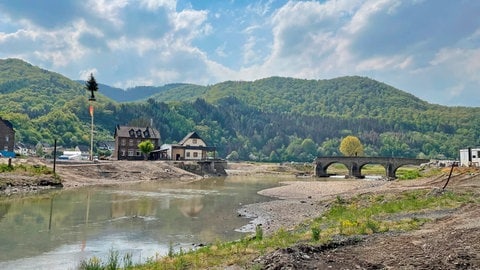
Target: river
x=59 y=229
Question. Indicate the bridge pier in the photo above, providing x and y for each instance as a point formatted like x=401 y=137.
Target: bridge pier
x=320 y=171
x=354 y=170
x=390 y=170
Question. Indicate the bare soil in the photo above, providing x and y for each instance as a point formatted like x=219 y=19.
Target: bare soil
x=78 y=174
x=121 y=172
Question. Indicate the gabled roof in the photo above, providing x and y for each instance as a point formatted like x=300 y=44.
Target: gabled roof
x=7 y=123
x=137 y=132
x=191 y=135
x=83 y=148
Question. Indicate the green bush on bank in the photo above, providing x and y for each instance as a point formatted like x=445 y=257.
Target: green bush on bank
x=31 y=169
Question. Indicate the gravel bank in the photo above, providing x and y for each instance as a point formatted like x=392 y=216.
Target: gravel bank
x=300 y=200
x=297 y=201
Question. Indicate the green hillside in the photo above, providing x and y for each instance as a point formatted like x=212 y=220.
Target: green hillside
x=44 y=106
x=272 y=119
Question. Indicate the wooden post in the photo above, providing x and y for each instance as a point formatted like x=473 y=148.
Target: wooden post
x=54 y=155
x=449 y=175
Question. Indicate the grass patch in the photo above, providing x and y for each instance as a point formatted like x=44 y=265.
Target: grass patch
x=408 y=173
x=26 y=169
x=37 y=175
x=373 y=169
x=360 y=215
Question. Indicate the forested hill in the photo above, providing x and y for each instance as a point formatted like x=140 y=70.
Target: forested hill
x=341 y=97
x=272 y=119
x=44 y=105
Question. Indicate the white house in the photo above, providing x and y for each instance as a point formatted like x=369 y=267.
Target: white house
x=470 y=157
x=192 y=147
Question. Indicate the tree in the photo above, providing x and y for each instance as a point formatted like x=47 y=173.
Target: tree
x=233 y=156
x=351 y=146
x=92 y=86
x=146 y=147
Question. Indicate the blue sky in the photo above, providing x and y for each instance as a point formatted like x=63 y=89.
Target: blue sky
x=430 y=48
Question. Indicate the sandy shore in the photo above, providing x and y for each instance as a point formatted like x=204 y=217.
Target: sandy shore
x=297 y=201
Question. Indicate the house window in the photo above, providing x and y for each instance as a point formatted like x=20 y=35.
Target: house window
x=130 y=152
x=138 y=153
x=123 y=152
x=194 y=141
x=131 y=132
x=195 y=154
x=139 y=133
x=188 y=154
x=123 y=142
x=130 y=142
x=6 y=138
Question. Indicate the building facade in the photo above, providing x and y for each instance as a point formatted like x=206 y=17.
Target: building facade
x=127 y=139
x=7 y=137
x=191 y=147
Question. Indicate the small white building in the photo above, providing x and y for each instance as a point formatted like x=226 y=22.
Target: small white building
x=71 y=155
x=192 y=147
x=470 y=157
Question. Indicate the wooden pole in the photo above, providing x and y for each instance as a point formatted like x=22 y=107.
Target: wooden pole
x=91 y=135
x=54 y=154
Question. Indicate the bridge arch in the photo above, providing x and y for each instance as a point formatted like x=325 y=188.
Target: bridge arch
x=331 y=164
x=362 y=166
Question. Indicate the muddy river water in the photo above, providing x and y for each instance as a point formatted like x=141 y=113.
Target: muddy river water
x=59 y=229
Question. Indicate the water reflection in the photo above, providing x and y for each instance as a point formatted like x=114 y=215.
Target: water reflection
x=57 y=230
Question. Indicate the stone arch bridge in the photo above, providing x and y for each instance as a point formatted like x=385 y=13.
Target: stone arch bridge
x=355 y=164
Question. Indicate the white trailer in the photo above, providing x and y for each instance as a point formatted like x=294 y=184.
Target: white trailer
x=470 y=157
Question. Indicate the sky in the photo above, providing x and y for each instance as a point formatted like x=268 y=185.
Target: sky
x=429 y=48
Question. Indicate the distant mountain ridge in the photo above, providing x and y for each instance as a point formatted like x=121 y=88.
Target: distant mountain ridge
x=136 y=93
x=271 y=119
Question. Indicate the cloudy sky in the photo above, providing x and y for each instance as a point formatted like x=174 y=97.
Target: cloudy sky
x=430 y=48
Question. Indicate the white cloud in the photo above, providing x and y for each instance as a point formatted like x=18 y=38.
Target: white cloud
x=108 y=9
x=155 y=4
x=85 y=74
x=260 y=8
x=189 y=24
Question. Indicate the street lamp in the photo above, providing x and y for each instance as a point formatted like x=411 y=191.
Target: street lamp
x=91 y=86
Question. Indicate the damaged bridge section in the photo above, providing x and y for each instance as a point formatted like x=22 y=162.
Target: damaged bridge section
x=355 y=164
x=213 y=167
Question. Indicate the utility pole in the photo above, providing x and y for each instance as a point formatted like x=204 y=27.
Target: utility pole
x=91 y=131
x=91 y=86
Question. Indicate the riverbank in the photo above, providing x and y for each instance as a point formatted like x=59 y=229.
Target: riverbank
x=78 y=174
x=450 y=240
x=300 y=200
x=72 y=174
